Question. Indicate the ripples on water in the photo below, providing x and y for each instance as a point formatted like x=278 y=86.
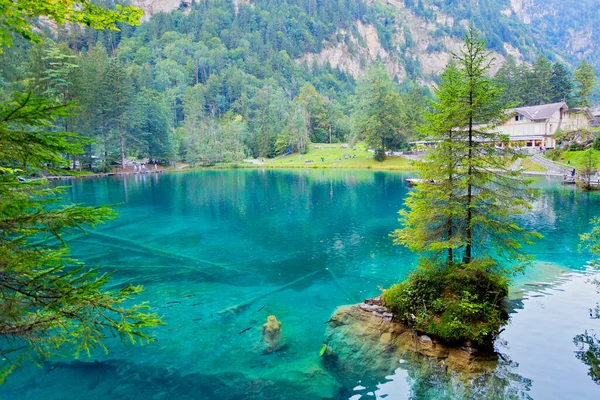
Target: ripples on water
x=204 y=242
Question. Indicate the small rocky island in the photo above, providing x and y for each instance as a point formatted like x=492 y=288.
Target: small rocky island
x=365 y=337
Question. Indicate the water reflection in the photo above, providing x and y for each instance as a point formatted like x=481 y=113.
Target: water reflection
x=588 y=351
x=202 y=242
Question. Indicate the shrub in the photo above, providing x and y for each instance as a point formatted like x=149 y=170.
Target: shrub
x=379 y=155
x=457 y=304
x=576 y=147
x=596 y=143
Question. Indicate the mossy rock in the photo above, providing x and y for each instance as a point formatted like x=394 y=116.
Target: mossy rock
x=458 y=304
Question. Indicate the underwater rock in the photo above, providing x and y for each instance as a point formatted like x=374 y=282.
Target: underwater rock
x=363 y=338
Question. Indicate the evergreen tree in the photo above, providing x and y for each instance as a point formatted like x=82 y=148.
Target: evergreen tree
x=541 y=85
x=585 y=79
x=561 y=84
x=509 y=79
x=378 y=114
x=49 y=302
x=490 y=199
x=468 y=193
x=434 y=212
x=118 y=89
x=93 y=96
x=464 y=207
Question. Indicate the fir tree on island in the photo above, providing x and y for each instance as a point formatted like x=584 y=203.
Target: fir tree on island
x=461 y=218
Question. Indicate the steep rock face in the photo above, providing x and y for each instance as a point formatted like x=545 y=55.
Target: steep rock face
x=419 y=49
x=362 y=338
x=545 y=15
x=152 y=7
x=367 y=49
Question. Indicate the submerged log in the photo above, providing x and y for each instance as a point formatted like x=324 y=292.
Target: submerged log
x=241 y=306
x=157 y=251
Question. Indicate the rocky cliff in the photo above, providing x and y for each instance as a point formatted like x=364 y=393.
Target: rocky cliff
x=152 y=7
x=425 y=34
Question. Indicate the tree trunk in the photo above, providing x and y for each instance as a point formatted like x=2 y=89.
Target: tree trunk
x=105 y=136
x=122 y=144
x=469 y=231
x=450 y=181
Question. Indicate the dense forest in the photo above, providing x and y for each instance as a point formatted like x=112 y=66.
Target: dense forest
x=222 y=81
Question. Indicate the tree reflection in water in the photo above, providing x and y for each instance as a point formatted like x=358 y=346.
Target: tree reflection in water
x=588 y=351
x=428 y=380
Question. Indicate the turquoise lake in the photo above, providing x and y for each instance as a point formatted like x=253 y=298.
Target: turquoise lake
x=297 y=244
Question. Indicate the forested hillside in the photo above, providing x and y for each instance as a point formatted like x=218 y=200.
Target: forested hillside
x=220 y=80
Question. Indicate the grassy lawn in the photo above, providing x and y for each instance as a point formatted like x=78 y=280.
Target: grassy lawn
x=530 y=166
x=578 y=158
x=332 y=156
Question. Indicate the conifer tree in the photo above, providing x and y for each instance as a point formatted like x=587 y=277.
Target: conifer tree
x=541 y=75
x=434 y=213
x=585 y=79
x=460 y=218
x=378 y=118
x=560 y=83
x=118 y=89
x=470 y=208
x=50 y=303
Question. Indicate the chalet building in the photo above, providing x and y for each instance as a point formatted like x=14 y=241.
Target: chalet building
x=536 y=126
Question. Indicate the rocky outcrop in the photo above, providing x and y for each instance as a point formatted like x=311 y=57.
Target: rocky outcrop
x=366 y=49
x=364 y=337
x=152 y=7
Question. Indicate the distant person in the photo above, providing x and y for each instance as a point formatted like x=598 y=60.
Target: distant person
x=134 y=167
x=573 y=173
x=155 y=165
x=322 y=159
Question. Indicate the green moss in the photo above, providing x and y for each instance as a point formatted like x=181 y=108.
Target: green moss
x=457 y=304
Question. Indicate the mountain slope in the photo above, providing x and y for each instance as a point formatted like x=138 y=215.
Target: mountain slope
x=415 y=38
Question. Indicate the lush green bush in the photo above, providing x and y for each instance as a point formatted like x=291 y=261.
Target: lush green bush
x=457 y=304
x=576 y=147
x=379 y=155
x=596 y=143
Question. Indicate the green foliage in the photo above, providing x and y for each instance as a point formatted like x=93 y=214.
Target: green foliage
x=588 y=351
x=542 y=83
x=378 y=117
x=461 y=217
x=590 y=241
x=49 y=301
x=588 y=343
x=585 y=79
x=469 y=210
x=17 y=16
x=596 y=142
x=458 y=303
